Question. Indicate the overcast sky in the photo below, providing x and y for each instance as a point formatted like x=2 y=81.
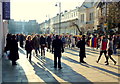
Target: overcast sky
x=38 y=9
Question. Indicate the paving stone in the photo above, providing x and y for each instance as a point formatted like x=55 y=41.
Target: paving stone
x=40 y=70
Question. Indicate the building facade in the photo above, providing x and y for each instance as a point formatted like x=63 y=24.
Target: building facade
x=82 y=19
x=25 y=27
x=91 y=16
x=66 y=24
x=74 y=21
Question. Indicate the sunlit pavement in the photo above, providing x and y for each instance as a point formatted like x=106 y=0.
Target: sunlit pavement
x=42 y=70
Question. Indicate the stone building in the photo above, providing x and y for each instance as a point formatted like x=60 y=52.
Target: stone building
x=25 y=27
x=68 y=19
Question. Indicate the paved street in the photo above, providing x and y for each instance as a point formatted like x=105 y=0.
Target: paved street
x=42 y=70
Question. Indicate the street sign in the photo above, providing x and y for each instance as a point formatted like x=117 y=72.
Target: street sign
x=6 y=10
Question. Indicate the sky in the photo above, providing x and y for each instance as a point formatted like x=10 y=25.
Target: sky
x=40 y=10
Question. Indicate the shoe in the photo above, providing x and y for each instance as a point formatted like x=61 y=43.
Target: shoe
x=30 y=60
x=55 y=67
x=84 y=62
x=107 y=64
x=14 y=64
x=60 y=67
x=115 y=63
x=97 y=61
x=105 y=61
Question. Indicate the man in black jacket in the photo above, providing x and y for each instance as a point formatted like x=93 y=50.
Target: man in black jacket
x=81 y=45
x=42 y=44
x=57 y=48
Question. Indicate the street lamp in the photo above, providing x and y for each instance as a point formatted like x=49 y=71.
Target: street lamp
x=59 y=4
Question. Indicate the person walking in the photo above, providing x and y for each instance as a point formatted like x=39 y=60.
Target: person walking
x=49 y=40
x=42 y=44
x=21 y=40
x=8 y=43
x=69 y=42
x=28 y=46
x=103 y=48
x=114 y=44
x=57 y=48
x=35 y=42
x=88 y=41
x=14 y=56
x=73 y=42
x=110 y=51
x=63 y=40
x=81 y=45
x=98 y=41
x=118 y=49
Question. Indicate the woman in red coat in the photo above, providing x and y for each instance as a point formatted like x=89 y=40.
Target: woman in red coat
x=103 y=49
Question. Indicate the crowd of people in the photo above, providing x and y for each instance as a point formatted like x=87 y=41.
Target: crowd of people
x=57 y=43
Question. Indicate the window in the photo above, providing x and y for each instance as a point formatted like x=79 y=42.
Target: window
x=71 y=14
x=82 y=17
x=74 y=14
x=91 y=16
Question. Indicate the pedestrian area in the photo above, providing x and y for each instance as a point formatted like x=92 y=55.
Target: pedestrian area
x=42 y=70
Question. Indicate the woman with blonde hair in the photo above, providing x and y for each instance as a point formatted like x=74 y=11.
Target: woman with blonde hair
x=28 y=46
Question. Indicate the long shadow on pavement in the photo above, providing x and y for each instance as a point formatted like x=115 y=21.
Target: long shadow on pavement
x=79 y=49
x=22 y=51
x=112 y=66
x=66 y=74
x=12 y=74
x=90 y=55
x=75 y=54
x=91 y=66
x=74 y=61
x=45 y=75
x=87 y=52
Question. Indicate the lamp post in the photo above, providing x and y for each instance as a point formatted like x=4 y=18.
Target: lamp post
x=59 y=3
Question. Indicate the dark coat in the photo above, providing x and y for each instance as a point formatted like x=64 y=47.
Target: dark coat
x=57 y=47
x=22 y=38
x=35 y=42
x=42 y=41
x=8 y=44
x=14 y=51
x=49 y=40
x=81 y=45
x=28 y=46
